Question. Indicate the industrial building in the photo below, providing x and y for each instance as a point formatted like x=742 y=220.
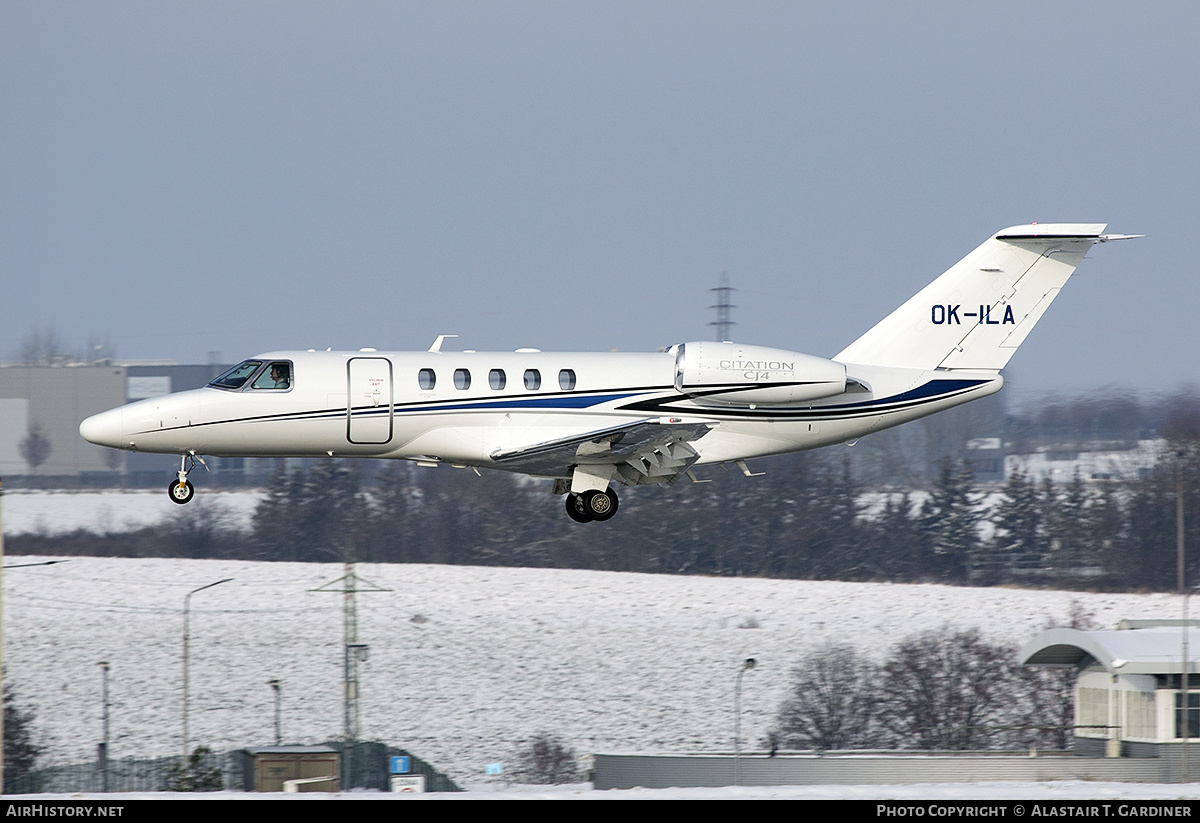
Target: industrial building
x=41 y=408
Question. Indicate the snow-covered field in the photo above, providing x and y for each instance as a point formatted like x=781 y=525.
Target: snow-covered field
x=1045 y=794
x=465 y=663
x=116 y=511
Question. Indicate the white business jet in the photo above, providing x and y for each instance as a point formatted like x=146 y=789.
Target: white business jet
x=591 y=421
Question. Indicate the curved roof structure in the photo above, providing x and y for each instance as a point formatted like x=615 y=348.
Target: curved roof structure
x=1155 y=650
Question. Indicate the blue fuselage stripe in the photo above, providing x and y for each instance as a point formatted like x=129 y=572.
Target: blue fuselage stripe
x=648 y=401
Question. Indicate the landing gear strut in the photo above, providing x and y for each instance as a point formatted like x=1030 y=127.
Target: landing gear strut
x=592 y=505
x=182 y=490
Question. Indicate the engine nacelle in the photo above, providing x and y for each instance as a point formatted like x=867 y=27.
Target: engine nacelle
x=731 y=374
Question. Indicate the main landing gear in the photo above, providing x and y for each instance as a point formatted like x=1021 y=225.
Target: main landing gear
x=592 y=505
x=181 y=489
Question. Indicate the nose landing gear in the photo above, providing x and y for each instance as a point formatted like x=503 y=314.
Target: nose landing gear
x=181 y=489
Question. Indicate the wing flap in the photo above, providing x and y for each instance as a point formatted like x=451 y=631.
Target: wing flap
x=653 y=450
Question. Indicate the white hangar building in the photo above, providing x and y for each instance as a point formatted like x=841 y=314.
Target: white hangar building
x=1128 y=688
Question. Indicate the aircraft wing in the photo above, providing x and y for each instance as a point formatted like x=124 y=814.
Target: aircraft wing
x=654 y=450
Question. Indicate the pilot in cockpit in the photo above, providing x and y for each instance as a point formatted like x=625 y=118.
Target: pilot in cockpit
x=280 y=374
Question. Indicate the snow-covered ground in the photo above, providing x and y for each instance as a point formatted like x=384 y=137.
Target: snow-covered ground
x=927 y=794
x=112 y=512
x=465 y=663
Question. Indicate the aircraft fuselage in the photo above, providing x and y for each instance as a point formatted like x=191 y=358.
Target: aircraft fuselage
x=373 y=404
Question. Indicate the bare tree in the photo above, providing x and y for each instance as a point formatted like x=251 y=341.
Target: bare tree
x=546 y=760
x=199 y=774
x=20 y=751
x=112 y=459
x=938 y=690
x=952 y=690
x=44 y=347
x=34 y=447
x=833 y=703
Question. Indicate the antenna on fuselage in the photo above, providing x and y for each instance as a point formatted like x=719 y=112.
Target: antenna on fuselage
x=437 y=344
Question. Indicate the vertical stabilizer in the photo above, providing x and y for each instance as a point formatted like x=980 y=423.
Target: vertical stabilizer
x=976 y=314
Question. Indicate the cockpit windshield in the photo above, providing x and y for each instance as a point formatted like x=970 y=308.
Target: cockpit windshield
x=238 y=375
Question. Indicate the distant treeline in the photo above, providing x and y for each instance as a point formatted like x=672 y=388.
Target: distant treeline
x=808 y=519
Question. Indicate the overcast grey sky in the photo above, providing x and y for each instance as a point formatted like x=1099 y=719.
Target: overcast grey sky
x=239 y=177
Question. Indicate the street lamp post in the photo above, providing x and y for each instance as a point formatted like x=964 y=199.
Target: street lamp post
x=103 y=664
x=277 y=686
x=1179 y=547
x=1185 y=668
x=737 y=718
x=187 y=603
x=1181 y=572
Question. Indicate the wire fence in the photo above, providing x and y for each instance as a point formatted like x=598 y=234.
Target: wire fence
x=210 y=771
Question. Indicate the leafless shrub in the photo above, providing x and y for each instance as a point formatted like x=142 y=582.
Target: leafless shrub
x=34 y=447
x=952 y=690
x=546 y=760
x=833 y=703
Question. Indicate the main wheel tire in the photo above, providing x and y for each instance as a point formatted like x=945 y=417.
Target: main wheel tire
x=600 y=505
x=576 y=510
x=181 y=492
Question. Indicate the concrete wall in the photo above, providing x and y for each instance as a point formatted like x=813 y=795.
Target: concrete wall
x=626 y=771
x=57 y=399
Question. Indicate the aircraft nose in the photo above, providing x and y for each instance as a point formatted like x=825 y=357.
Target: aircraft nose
x=104 y=429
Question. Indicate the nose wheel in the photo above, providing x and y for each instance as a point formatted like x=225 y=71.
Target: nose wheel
x=181 y=489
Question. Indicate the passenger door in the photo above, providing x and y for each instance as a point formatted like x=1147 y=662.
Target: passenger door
x=369 y=407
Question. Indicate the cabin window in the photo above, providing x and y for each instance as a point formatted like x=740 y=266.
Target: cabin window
x=566 y=379
x=235 y=377
x=496 y=379
x=278 y=375
x=533 y=379
x=426 y=379
x=462 y=379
